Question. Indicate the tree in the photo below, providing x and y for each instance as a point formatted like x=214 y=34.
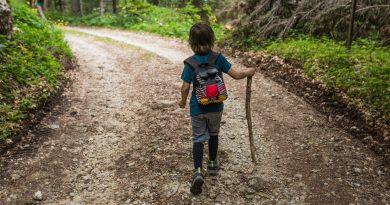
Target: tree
x=6 y=18
x=81 y=7
x=101 y=7
x=76 y=7
x=351 y=24
x=46 y=5
x=114 y=6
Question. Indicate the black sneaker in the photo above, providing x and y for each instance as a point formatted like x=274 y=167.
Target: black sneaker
x=212 y=168
x=197 y=182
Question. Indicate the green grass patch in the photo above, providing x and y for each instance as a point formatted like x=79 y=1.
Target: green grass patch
x=363 y=72
x=146 y=54
x=30 y=66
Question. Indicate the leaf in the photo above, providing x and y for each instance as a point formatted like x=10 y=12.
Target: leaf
x=2 y=47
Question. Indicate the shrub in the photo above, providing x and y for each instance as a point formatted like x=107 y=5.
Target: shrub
x=363 y=73
x=30 y=66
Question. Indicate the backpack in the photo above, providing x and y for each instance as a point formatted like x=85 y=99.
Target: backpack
x=208 y=84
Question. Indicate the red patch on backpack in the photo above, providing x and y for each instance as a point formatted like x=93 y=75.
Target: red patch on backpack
x=212 y=90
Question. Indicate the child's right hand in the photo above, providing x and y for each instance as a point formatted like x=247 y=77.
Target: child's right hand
x=251 y=72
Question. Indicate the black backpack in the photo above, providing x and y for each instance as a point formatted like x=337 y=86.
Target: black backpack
x=209 y=85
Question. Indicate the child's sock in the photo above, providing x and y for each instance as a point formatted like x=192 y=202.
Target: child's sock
x=213 y=147
x=197 y=153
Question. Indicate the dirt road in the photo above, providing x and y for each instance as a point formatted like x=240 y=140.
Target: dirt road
x=118 y=137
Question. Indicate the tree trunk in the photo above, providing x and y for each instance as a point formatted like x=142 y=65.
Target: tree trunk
x=81 y=8
x=114 y=6
x=45 y=5
x=101 y=7
x=202 y=13
x=61 y=5
x=75 y=7
x=6 y=18
x=351 y=24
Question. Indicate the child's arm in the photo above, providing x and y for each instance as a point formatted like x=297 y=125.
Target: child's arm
x=185 y=89
x=240 y=74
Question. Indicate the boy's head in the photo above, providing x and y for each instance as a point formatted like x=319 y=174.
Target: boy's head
x=201 y=38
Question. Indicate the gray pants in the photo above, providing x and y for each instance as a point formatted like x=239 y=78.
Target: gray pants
x=205 y=125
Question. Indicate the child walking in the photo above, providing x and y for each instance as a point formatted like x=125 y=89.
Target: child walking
x=206 y=113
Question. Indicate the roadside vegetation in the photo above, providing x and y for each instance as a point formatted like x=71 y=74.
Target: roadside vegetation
x=142 y=16
x=313 y=34
x=362 y=72
x=30 y=67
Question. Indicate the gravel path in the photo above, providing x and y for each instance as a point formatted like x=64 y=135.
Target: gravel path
x=118 y=137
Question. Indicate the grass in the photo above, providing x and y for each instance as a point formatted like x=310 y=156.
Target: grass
x=362 y=72
x=145 y=54
x=30 y=67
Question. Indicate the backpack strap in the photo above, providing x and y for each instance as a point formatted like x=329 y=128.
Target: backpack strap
x=194 y=65
x=213 y=58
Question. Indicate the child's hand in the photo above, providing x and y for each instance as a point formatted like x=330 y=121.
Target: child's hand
x=251 y=72
x=182 y=104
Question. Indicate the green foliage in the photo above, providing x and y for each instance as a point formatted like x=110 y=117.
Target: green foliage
x=30 y=66
x=363 y=73
x=140 y=16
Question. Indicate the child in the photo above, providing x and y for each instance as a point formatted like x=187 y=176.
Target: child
x=205 y=119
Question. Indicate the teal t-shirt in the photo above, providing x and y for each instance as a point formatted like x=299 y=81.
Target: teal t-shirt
x=188 y=76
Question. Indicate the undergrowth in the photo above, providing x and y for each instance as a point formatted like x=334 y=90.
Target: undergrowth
x=363 y=72
x=30 y=67
x=174 y=22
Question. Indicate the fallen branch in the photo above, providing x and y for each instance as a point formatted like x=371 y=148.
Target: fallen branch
x=370 y=7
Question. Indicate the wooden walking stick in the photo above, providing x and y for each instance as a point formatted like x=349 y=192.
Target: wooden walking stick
x=249 y=118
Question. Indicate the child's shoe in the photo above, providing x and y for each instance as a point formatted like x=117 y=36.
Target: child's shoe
x=212 y=168
x=197 y=182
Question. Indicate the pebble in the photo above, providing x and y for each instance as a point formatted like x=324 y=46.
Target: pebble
x=221 y=198
x=357 y=170
x=354 y=128
x=228 y=182
x=298 y=176
x=212 y=195
x=9 y=141
x=54 y=126
x=38 y=196
x=250 y=191
x=368 y=138
x=15 y=176
x=252 y=182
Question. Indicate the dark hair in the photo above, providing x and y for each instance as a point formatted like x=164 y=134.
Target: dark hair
x=201 y=38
